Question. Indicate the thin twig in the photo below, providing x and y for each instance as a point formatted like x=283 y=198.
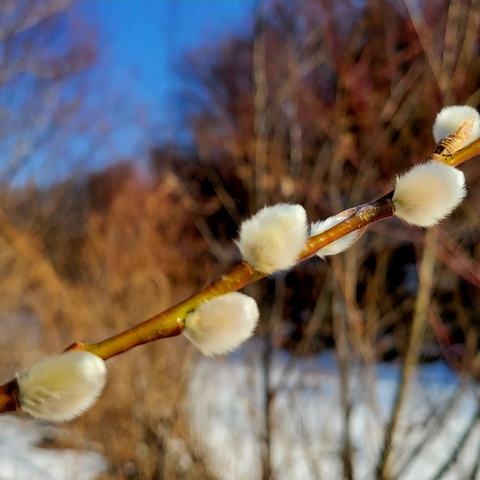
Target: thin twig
x=343 y=361
x=452 y=458
x=384 y=467
x=435 y=423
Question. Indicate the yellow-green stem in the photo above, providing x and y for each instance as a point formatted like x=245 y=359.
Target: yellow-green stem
x=466 y=153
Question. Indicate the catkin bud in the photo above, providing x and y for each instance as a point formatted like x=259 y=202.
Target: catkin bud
x=62 y=387
x=450 y=119
x=272 y=239
x=428 y=193
x=222 y=324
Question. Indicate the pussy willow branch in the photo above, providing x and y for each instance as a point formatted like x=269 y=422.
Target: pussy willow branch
x=171 y=322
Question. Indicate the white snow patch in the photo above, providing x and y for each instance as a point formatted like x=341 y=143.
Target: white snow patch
x=20 y=459
x=226 y=412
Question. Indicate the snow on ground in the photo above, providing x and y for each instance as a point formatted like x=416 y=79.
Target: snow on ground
x=20 y=459
x=225 y=404
x=226 y=408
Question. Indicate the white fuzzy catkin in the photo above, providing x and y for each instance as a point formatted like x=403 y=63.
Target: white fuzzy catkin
x=272 y=239
x=428 y=193
x=339 y=245
x=222 y=324
x=62 y=387
x=450 y=119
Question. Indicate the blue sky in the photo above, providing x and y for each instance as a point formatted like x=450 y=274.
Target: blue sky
x=144 y=42
x=130 y=98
